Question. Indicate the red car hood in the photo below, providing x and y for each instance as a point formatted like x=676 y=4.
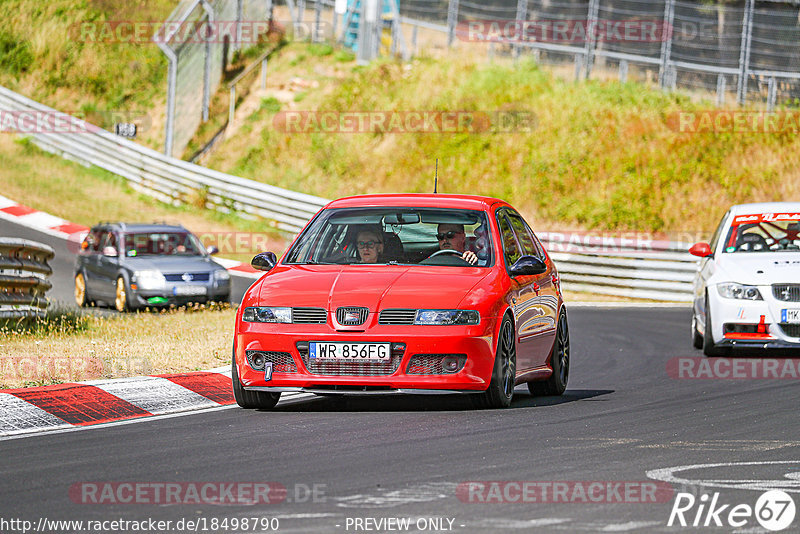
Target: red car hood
x=374 y=287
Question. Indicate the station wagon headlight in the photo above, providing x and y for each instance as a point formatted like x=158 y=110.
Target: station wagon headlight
x=149 y=279
x=263 y=314
x=447 y=317
x=222 y=275
x=732 y=290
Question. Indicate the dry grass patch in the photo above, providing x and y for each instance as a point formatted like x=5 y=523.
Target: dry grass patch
x=143 y=343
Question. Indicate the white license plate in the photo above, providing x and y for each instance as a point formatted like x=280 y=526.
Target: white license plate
x=184 y=291
x=361 y=352
x=790 y=315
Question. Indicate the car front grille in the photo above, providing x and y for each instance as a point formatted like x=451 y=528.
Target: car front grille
x=398 y=316
x=351 y=316
x=309 y=315
x=282 y=362
x=790 y=329
x=786 y=292
x=195 y=277
x=345 y=368
x=431 y=364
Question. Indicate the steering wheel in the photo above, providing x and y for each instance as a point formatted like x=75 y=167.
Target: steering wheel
x=445 y=251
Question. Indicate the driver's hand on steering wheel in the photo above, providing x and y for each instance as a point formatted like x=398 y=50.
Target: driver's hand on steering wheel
x=470 y=257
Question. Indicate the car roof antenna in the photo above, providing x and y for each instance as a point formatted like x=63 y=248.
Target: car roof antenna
x=436 y=177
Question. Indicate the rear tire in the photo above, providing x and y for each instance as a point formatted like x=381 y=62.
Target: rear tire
x=81 y=298
x=709 y=349
x=501 y=388
x=559 y=359
x=251 y=399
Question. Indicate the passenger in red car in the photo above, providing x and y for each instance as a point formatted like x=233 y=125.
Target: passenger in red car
x=370 y=246
x=453 y=237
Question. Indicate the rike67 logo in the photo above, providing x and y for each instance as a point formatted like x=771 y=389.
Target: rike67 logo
x=774 y=510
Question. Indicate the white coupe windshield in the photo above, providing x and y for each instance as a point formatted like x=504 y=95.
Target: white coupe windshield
x=392 y=235
x=763 y=235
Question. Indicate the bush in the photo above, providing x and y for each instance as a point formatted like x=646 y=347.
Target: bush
x=15 y=53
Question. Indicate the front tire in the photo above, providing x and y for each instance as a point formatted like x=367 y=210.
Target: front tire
x=559 y=359
x=251 y=399
x=121 y=300
x=501 y=387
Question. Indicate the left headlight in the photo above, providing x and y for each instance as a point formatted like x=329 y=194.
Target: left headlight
x=222 y=274
x=264 y=314
x=446 y=317
x=149 y=279
x=732 y=290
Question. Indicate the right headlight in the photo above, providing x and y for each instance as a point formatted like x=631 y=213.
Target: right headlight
x=732 y=290
x=447 y=317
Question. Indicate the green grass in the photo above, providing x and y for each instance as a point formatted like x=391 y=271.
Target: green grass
x=601 y=154
x=55 y=321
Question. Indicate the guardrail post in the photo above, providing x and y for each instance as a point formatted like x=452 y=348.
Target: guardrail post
x=771 y=93
x=623 y=71
x=666 y=41
x=522 y=16
x=414 y=40
x=172 y=82
x=239 y=16
x=317 y=19
x=578 y=66
x=452 y=21
x=744 y=52
x=207 y=66
x=720 y=89
x=264 y=73
x=231 y=105
x=591 y=41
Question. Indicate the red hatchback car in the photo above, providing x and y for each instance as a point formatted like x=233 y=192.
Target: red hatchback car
x=404 y=294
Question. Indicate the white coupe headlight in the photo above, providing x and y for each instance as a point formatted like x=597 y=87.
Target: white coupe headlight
x=222 y=274
x=149 y=279
x=445 y=317
x=264 y=314
x=732 y=290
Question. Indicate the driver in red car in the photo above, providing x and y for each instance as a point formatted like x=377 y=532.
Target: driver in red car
x=453 y=237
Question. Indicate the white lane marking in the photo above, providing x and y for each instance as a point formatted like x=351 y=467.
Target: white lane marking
x=630 y=525
x=391 y=498
x=790 y=484
x=17 y=415
x=495 y=523
x=6 y=202
x=156 y=395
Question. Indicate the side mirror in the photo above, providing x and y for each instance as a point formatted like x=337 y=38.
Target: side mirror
x=212 y=250
x=701 y=250
x=528 y=265
x=111 y=252
x=264 y=261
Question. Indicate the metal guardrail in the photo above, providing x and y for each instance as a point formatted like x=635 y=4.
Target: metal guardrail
x=170 y=179
x=23 y=277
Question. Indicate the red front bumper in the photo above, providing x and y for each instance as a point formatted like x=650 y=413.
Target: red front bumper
x=476 y=342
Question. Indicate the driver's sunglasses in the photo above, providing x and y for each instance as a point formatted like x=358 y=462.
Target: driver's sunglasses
x=448 y=235
x=367 y=244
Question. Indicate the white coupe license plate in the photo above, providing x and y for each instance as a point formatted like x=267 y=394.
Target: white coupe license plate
x=790 y=316
x=184 y=291
x=369 y=352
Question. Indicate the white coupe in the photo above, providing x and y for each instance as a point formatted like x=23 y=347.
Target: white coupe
x=747 y=286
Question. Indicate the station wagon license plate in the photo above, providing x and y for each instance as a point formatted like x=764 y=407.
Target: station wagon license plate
x=184 y=291
x=370 y=352
x=790 y=315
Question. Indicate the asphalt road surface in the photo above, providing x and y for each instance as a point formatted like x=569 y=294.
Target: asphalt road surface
x=376 y=460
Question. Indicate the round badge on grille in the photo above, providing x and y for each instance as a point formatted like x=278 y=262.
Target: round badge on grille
x=187 y=277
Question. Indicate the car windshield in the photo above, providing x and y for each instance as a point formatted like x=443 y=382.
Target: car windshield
x=162 y=244
x=764 y=233
x=392 y=235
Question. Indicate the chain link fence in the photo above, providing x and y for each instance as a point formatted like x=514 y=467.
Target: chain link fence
x=747 y=49
x=199 y=39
